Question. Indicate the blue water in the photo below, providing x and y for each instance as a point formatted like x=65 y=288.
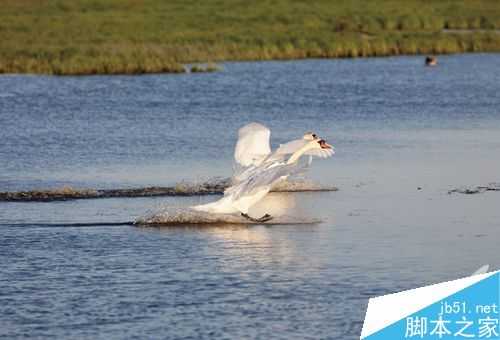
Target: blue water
x=396 y=126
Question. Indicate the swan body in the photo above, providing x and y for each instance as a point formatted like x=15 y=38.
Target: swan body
x=262 y=173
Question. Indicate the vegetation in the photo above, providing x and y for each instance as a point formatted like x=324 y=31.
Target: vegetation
x=146 y=36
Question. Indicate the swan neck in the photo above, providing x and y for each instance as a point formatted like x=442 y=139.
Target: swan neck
x=297 y=154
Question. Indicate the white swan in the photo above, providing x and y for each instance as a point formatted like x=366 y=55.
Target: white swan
x=253 y=148
x=259 y=180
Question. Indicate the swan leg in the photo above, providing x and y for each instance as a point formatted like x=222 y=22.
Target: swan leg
x=264 y=218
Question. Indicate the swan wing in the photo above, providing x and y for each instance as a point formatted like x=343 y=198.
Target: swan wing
x=291 y=147
x=263 y=176
x=321 y=153
x=252 y=145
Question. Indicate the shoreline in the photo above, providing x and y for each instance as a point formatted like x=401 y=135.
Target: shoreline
x=215 y=65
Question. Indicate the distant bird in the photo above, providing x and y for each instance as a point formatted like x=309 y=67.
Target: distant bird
x=263 y=169
x=431 y=61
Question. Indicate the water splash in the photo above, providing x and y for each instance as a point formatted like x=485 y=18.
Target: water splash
x=172 y=216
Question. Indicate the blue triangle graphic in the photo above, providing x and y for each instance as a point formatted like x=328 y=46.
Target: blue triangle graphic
x=444 y=319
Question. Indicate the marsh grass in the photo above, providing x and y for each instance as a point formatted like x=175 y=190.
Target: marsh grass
x=151 y=36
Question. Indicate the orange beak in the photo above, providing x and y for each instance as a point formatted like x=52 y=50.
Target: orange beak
x=324 y=145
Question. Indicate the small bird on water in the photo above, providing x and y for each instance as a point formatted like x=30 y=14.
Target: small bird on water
x=430 y=61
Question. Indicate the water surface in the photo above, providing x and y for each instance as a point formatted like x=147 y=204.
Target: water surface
x=397 y=126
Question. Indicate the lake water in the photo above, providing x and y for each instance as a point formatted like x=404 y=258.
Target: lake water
x=397 y=126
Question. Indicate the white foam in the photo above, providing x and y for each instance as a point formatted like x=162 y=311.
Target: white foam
x=186 y=216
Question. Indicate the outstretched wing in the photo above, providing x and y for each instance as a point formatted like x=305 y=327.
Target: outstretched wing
x=261 y=177
x=252 y=145
x=291 y=147
x=321 y=153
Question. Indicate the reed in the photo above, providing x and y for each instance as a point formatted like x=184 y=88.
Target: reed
x=151 y=36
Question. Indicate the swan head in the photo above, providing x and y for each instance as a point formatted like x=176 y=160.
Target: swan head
x=318 y=144
x=310 y=136
x=323 y=144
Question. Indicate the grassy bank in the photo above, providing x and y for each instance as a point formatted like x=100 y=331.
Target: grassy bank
x=148 y=36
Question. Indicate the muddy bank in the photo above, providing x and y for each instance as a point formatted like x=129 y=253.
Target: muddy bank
x=476 y=189
x=211 y=187
x=68 y=193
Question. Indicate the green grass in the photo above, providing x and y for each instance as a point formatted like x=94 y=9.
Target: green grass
x=149 y=36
